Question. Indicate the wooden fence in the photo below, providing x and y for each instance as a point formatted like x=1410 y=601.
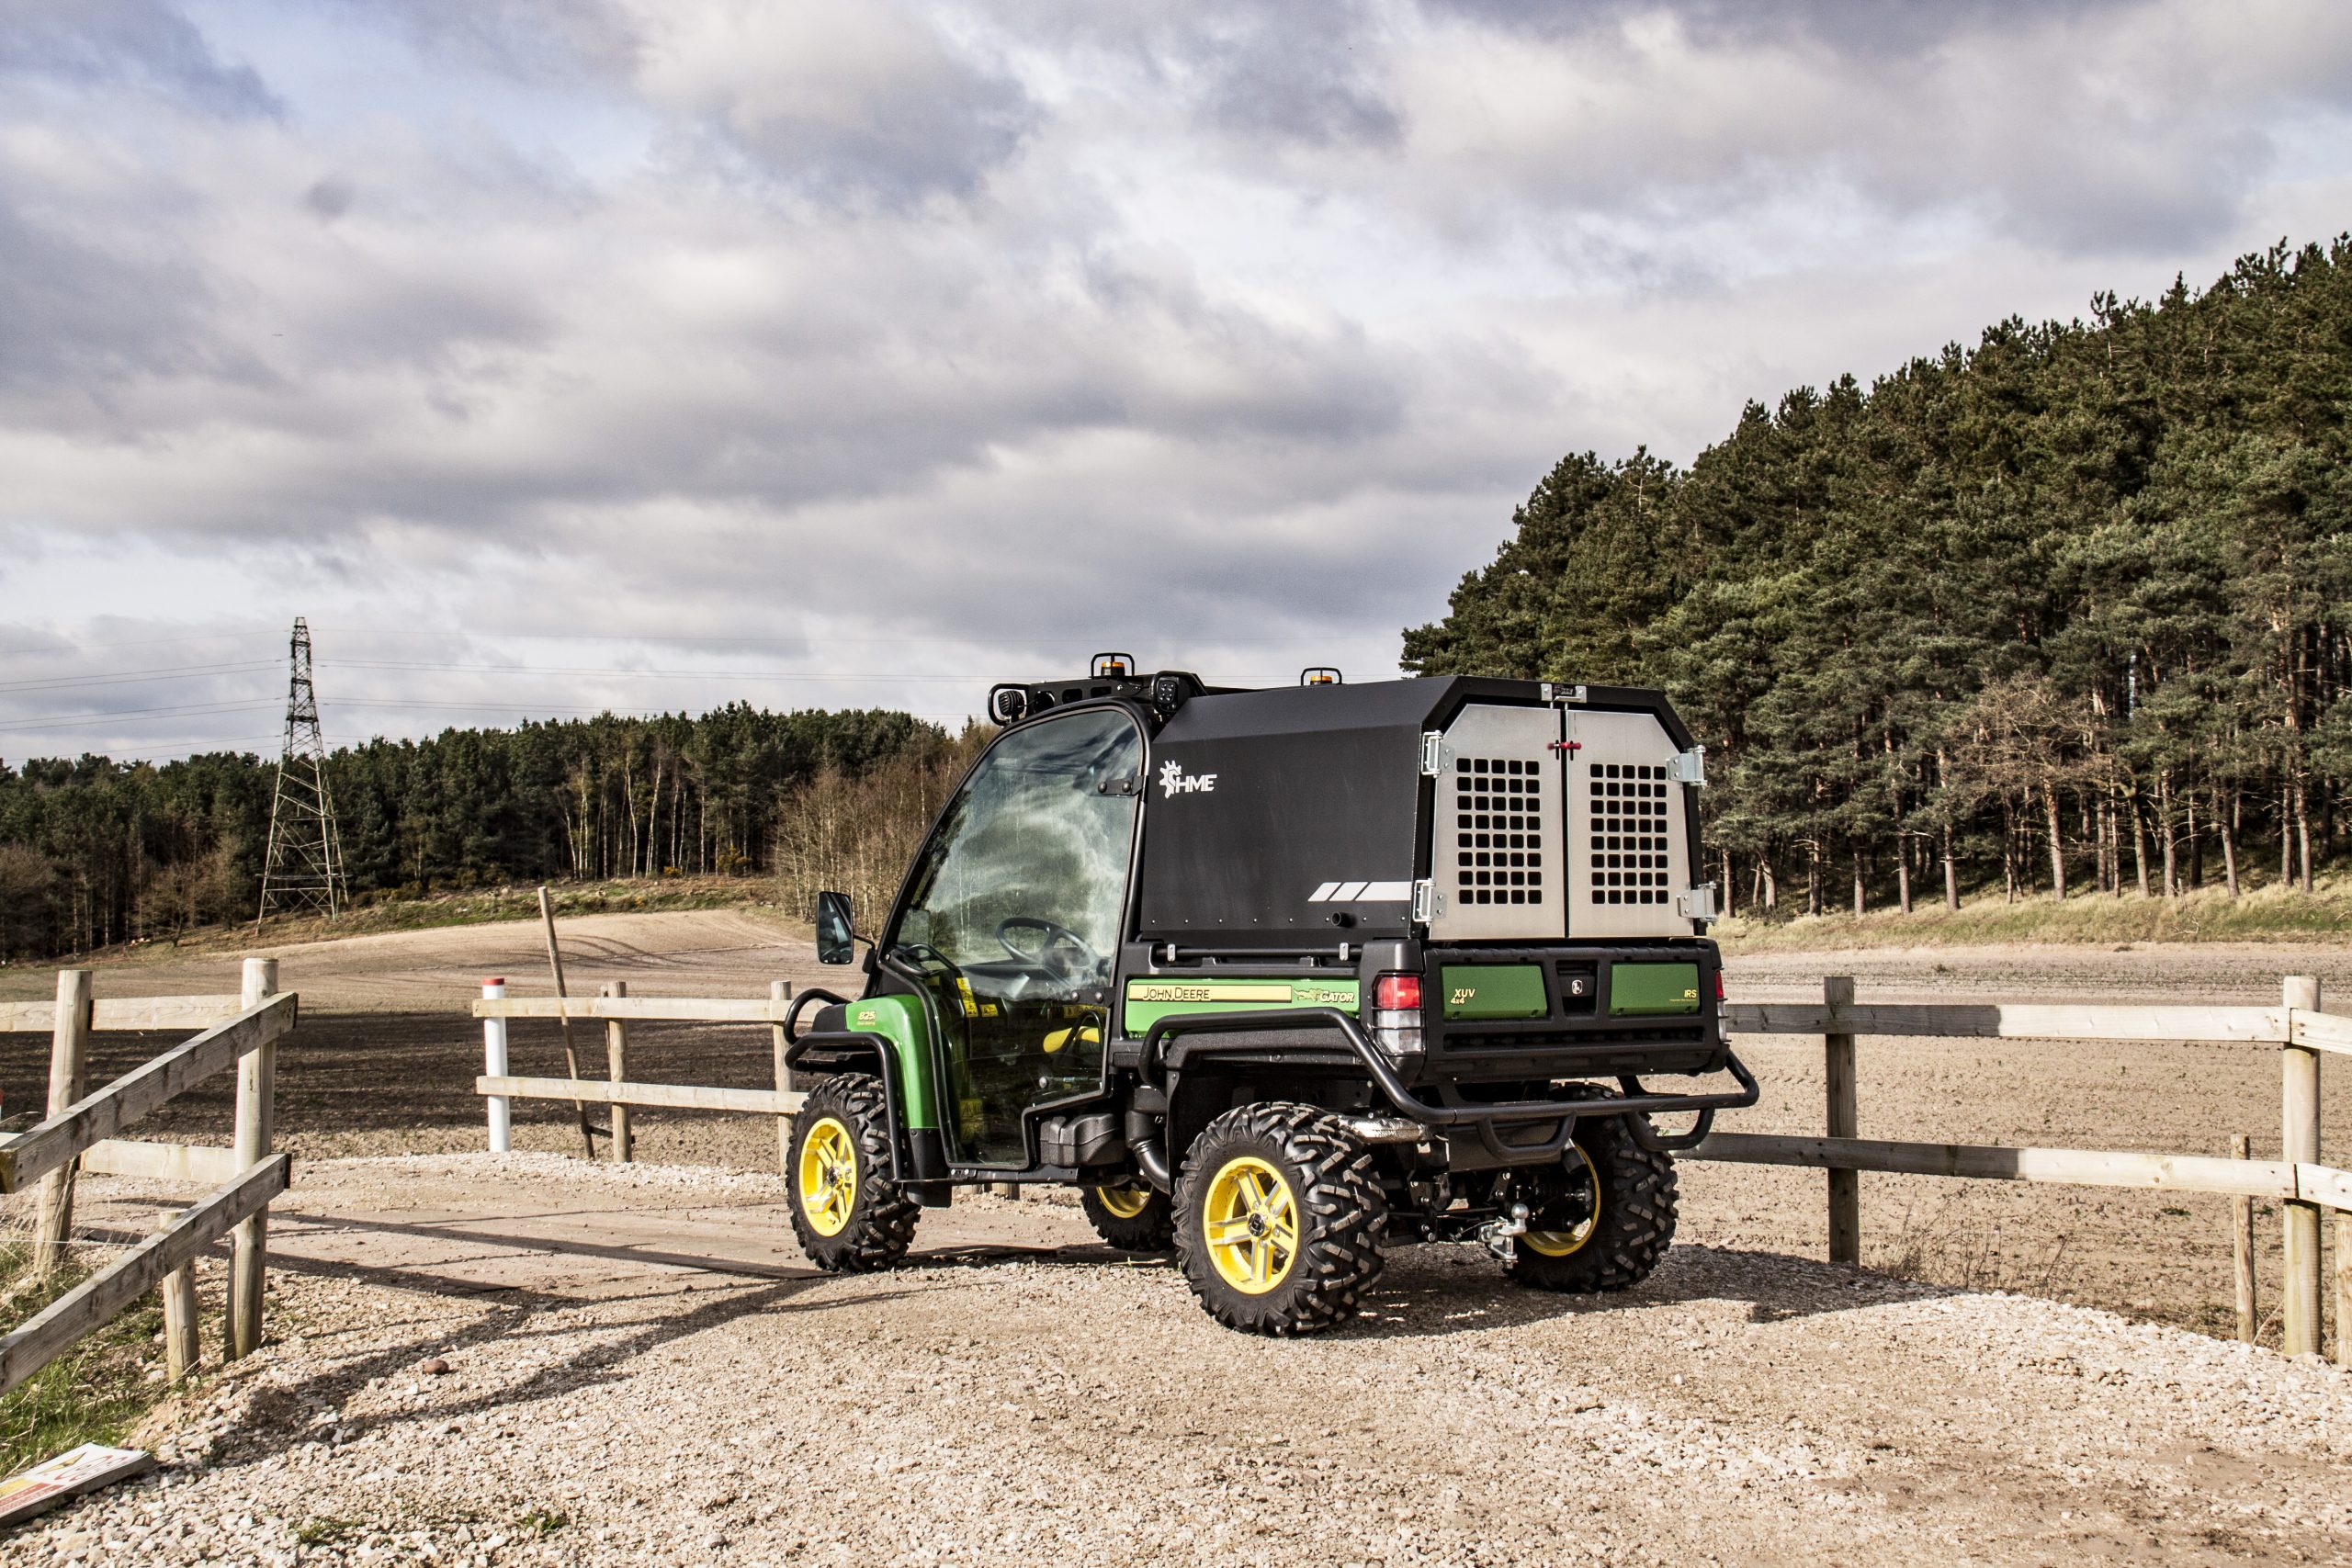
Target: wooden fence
x=618 y=1009
x=79 y=1133
x=2297 y=1179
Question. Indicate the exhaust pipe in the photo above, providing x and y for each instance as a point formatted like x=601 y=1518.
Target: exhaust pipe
x=1151 y=1157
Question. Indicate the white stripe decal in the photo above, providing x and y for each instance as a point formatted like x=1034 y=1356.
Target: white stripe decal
x=1362 y=893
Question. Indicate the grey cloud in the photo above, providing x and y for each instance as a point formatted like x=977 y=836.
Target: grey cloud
x=78 y=323
x=1864 y=28
x=143 y=43
x=330 y=198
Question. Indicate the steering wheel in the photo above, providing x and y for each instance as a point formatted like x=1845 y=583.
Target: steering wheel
x=1055 y=935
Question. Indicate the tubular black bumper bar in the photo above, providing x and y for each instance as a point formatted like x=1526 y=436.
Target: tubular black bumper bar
x=1383 y=1073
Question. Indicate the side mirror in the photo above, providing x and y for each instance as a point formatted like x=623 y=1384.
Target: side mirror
x=836 y=936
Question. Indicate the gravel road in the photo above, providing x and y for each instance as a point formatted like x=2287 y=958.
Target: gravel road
x=526 y=1360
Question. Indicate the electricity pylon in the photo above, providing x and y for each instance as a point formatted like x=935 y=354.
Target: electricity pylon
x=304 y=867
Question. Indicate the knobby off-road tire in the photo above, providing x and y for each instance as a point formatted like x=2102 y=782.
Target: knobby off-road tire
x=1135 y=1217
x=850 y=1217
x=1629 y=1233
x=1280 y=1219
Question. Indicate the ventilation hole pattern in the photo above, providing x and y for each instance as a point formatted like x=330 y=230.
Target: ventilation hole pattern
x=1629 y=828
x=1498 y=841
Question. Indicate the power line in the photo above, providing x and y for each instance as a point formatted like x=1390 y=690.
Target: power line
x=66 y=720
x=650 y=674
x=139 y=642
x=127 y=677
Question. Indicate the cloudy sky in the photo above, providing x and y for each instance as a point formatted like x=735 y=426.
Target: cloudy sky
x=647 y=354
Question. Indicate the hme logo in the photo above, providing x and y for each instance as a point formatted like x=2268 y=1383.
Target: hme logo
x=1174 y=781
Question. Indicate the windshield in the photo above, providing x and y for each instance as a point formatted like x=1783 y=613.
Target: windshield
x=1029 y=866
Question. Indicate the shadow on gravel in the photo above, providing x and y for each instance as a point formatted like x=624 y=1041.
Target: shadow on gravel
x=1438 y=1290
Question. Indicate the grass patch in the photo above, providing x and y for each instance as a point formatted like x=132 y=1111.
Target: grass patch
x=97 y=1392
x=2208 y=914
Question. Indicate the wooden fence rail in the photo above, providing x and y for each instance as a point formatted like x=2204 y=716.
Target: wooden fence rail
x=93 y=1303
x=2301 y=1185
x=78 y=1134
x=618 y=1010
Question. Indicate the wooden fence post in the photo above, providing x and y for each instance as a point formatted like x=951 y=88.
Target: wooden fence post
x=2298 y=1143
x=616 y=1065
x=69 y=1058
x=781 y=991
x=2241 y=1246
x=182 y=1350
x=2343 y=1290
x=1845 y=1122
x=257 y=1126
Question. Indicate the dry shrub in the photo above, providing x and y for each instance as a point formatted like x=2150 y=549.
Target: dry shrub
x=1945 y=1247
x=855 y=834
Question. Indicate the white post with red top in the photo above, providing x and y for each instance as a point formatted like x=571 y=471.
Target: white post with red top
x=493 y=1062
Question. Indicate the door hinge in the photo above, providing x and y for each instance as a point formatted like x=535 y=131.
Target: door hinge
x=1435 y=753
x=1425 y=906
x=1688 y=767
x=1699 y=904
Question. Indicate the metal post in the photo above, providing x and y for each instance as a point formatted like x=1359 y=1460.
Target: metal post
x=616 y=1062
x=69 y=1057
x=2241 y=1246
x=1845 y=1122
x=256 y=1119
x=2298 y=1143
x=493 y=1063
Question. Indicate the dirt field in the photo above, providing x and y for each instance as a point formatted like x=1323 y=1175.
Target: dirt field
x=643 y=1369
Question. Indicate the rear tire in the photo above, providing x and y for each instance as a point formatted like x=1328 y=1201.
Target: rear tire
x=1611 y=1205
x=1133 y=1217
x=850 y=1217
x=1280 y=1219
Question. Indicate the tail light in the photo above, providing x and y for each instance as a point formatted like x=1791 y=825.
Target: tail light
x=1397 y=1014
x=1719 y=984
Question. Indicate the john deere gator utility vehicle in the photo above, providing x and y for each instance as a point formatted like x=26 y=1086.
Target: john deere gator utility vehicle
x=1276 y=977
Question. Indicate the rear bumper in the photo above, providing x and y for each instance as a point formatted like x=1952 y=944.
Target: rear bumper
x=1466 y=1115
x=1583 y=1032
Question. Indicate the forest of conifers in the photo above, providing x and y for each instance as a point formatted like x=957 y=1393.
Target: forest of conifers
x=94 y=852
x=2068 y=609
x=2071 y=608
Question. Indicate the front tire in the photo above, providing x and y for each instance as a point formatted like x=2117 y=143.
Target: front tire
x=1280 y=1219
x=850 y=1217
x=1133 y=1217
x=1604 y=1219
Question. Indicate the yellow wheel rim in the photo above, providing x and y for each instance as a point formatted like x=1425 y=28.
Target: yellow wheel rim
x=827 y=1176
x=1125 y=1203
x=1250 y=1222
x=1560 y=1243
